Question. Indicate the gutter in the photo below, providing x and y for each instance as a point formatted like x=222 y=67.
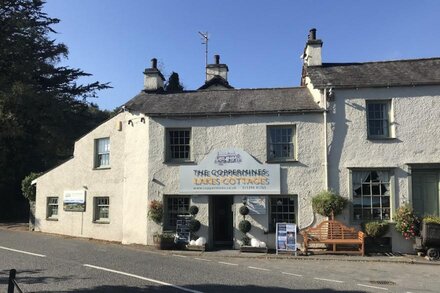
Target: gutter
x=326 y=185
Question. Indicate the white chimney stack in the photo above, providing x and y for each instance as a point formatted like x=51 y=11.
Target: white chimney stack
x=216 y=69
x=312 y=53
x=153 y=78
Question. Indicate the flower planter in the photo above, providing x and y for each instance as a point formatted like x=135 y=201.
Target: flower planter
x=378 y=245
x=163 y=243
x=431 y=234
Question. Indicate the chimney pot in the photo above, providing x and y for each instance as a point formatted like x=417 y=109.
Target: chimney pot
x=312 y=34
x=217 y=59
x=154 y=63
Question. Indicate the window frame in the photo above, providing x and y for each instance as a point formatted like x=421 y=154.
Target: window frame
x=271 y=226
x=168 y=146
x=96 y=209
x=96 y=160
x=391 y=195
x=294 y=143
x=167 y=213
x=49 y=208
x=388 y=104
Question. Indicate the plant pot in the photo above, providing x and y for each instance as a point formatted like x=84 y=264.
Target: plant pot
x=163 y=243
x=431 y=234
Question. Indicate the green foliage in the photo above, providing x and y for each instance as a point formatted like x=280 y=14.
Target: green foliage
x=193 y=210
x=43 y=107
x=328 y=204
x=406 y=222
x=244 y=226
x=27 y=189
x=431 y=220
x=155 y=211
x=244 y=210
x=173 y=84
x=246 y=241
x=194 y=225
x=375 y=229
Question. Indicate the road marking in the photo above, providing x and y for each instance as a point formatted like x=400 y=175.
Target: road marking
x=142 y=278
x=204 y=259
x=22 y=251
x=228 y=263
x=291 y=274
x=329 y=280
x=373 y=287
x=261 y=269
x=178 y=255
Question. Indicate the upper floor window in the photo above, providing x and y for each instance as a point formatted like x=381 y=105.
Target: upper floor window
x=102 y=157
x=378 y=119
x=371 y=195
x=281 y=142
x=178 y=144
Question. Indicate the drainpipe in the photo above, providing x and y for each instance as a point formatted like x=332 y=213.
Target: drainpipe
x=325 y=142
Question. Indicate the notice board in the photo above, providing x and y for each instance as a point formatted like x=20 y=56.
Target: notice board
x=286 y=239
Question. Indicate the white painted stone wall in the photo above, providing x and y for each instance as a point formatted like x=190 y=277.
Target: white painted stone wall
x=304 y=178
x=416 y=127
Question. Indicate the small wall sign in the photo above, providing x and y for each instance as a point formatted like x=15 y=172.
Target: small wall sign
x=256 y=205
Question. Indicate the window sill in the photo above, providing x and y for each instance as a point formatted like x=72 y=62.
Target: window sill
x=378 y=138
x=102 y=168
x=281 y=161
x=52 y=219
x=176 y=163
x=101 y=222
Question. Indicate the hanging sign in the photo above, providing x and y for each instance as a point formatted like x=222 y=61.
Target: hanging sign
x=285 y=237
x=230 y=171
x=74 y=201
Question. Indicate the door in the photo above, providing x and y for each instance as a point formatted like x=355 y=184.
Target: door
x=222 y=221
x=426 y=193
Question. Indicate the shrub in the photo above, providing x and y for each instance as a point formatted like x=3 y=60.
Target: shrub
x=244 y=210
x=375 y=229
x=406 y=222
x=194 y=225
x=328 y=204
x=193 y=210
x=155 y=211
x=246 y=241
x=244 y=226
x=27 y=189
x=431 y=220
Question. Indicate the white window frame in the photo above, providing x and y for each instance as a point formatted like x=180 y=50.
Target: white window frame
x=98 y=162
x=386 y=119
x=98 y=203
x=169 y=145
x=50 y=207
x=289 y=197
x=293 y=143
x=391 y=196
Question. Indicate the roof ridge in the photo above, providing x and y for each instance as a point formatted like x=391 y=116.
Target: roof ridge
x=381 y=61
x=228 y=90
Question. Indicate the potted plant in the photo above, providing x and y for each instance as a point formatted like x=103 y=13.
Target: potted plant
x=328 y=204
x=164 y=241
x=406 y=222
x=375 y=242
x=155 y=213
x=430 y=236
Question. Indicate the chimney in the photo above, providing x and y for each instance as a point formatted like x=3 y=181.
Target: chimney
x=153 y=78
x=216 y=69
x=312 y=52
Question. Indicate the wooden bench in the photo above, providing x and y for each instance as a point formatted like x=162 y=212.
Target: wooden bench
x=334 y=233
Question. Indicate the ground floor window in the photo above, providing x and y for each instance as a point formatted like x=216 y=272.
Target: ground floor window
x=52 y=207
x=174 y=206
x=282 y=210
x=371 y=195
x=102 y=206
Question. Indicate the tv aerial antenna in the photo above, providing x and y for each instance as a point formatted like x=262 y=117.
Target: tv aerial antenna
x=205 y=40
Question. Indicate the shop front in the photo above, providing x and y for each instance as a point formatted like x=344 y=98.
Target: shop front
x=230 y=178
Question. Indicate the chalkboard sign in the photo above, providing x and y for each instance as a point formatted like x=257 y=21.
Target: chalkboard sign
x=285 y=237
x=183 y=235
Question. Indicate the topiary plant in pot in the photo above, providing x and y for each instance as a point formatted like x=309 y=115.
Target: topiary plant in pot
x=375 y=242
x=328 y=204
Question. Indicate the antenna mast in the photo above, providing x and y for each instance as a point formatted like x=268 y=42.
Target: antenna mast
x=205 y=39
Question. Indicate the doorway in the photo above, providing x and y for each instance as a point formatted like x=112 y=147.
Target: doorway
x=425 y=192
x=222 y=227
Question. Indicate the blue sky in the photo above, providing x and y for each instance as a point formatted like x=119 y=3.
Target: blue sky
x=260 y=41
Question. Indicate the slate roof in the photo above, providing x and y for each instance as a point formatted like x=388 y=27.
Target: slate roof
x=224 y=102
x=376 y=74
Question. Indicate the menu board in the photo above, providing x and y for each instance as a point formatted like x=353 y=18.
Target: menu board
x=285 y=237
x=183 y=235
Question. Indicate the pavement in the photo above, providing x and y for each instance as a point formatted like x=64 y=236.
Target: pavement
x=384 y=257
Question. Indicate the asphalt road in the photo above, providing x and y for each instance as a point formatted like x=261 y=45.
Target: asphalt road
x=63 y=264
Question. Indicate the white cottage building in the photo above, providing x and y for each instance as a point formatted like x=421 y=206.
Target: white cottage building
x=369 y=131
